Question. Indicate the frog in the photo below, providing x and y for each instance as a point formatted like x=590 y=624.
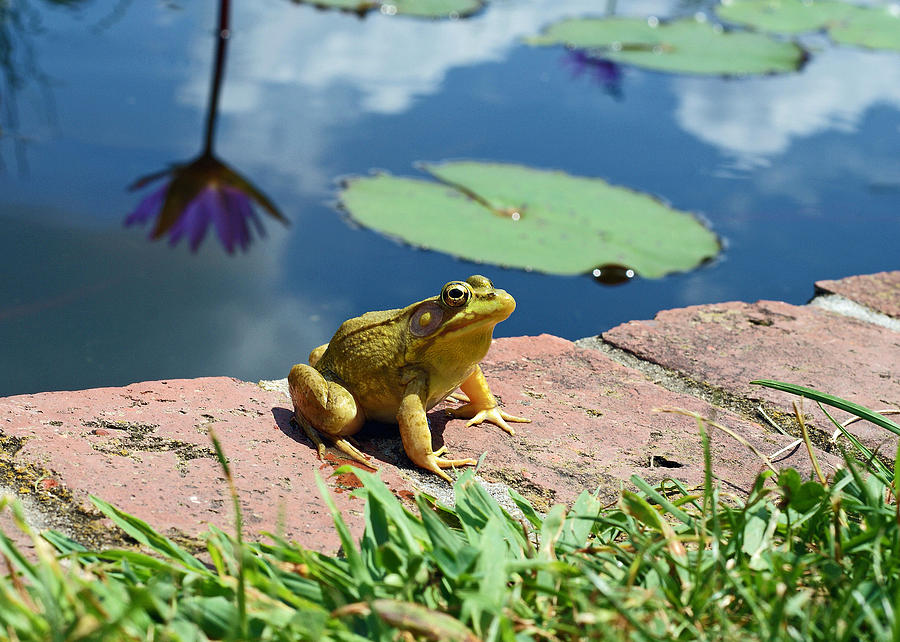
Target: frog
x=393 y=366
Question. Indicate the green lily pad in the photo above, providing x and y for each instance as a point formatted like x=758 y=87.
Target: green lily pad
x=873 y=27
x=418 y=8
x=681 y=46
x=521 y=217
x=790 y=16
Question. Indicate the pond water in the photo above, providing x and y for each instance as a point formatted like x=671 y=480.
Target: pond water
x=799 y=174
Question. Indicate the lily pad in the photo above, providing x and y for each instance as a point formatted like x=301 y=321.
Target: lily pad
x=680 y=46
x=874 y=27
x=418 y=8
x=521 y=217
x=791 y=16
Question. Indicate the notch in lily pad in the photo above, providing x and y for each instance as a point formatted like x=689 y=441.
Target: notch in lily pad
x=874 y=27
x=418 y=8
x=688 y=45
x=534 y=219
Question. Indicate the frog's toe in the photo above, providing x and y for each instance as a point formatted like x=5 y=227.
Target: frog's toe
x=508 y=417
x=451 y=463
x=311 y=433
x=459 y=396
x=349 y=449
x=497 y=417
x=440 y=473
x=494 y=418
x=435 y=464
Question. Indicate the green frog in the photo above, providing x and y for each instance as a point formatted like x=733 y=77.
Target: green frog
x=395 y=365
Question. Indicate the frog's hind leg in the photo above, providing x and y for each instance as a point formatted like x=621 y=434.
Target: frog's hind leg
x=317 y=353
x=325 y=408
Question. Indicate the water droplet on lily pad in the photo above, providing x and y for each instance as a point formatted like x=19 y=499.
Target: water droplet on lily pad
x=567 y=224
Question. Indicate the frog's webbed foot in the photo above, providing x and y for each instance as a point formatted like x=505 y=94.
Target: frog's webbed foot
x=345 y=446
x=310 y=432
x=481 y=405
x=493 y=415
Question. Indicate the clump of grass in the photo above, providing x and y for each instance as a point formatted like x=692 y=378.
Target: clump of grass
x=796 y=559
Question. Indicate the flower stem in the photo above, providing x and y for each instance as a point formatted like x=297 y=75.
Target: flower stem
x=223 y=33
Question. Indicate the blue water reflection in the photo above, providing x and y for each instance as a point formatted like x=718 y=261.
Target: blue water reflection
x=798 y=173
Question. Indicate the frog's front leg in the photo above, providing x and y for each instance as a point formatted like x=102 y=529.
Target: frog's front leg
x=416 y=435
x=482 y=405
x=327 y=407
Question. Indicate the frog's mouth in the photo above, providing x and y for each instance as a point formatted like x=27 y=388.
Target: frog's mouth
x=470 y=321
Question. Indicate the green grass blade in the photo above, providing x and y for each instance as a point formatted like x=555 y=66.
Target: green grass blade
x=873 y=462
x=406 y=525
x=18 y=560
x=896 y=488
x=660 y=499
x=240 y=550
x=358 y=568
x=146 y=535
x=527 y=509
x=491 y=566
x=474 y=507
x=641 y=510
x=580 y=521
x=831 y=400
x=63 y=544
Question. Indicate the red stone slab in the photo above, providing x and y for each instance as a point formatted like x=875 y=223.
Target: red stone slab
x=879 y=292
x=729 y=344
x=595 y=423
x=145 y=447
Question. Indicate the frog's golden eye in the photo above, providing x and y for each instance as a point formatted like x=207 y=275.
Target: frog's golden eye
x=455 y=294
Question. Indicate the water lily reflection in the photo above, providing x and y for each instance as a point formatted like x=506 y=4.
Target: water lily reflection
x=605 y=73
x=201 y=193
x=205 y=191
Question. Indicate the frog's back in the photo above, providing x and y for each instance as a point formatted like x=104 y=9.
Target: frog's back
x=364 y=347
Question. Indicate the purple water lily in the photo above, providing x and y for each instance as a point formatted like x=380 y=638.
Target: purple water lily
x=201 y=193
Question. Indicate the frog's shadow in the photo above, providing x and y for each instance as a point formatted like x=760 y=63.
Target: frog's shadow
x=381 y=441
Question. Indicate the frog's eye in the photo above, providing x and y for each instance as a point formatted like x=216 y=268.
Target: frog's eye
x=455 y=294
x=426 y=320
